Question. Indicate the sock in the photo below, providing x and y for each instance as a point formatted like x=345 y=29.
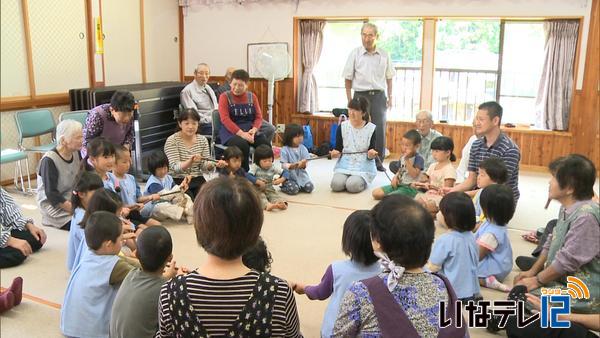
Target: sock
x=492 y=283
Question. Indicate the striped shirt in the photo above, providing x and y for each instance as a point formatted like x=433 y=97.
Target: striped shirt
x=217 y=303
x=505 y=149
x=11 y=217
x=177 y=152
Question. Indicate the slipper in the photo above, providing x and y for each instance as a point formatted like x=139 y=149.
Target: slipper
x=17 y=289
x=530 y=236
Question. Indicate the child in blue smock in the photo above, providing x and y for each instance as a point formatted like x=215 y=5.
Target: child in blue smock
x=294 y=156
x=495 y=251
x=455 y=253
x=95 y=281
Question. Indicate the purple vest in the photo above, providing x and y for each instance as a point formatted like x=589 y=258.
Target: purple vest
x=112 y=131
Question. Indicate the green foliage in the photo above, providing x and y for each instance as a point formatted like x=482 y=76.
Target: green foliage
x=468 y=35
x=402 y=40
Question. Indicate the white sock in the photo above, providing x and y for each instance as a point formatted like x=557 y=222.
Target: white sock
x=492 y=283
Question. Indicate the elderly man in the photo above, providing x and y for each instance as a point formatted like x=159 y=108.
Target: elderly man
x=200 y=96
x=369 y=73
x=227 y=85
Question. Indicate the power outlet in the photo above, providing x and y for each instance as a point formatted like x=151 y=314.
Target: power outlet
x=280 y=128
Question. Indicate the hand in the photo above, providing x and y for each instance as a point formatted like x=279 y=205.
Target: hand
x=389 y=102
x=128 y=236
x=530 y=282
x=302 y=164
x=125 y=211
x=21 y=245
x=294 y=166
x=261 y=184
x=522 y=275
x=210 y=166
x=372 y=153
x=534 y=300
x=248 y=137
x=252 y=131
x=221 y=164
x=195 y=158
x=38 y=233
x=155 y=197
x=299 y=288
x=279 y=181
x=395 y=182
x=170 y=270
x=66 y=206
x=334 y=153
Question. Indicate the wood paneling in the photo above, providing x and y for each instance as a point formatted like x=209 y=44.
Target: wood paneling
x=26 y=102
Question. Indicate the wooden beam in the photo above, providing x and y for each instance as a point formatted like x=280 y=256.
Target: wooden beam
x=89 y=23
x=28 y=51
x=142 y=41
x=26 y=102
x=181 y=45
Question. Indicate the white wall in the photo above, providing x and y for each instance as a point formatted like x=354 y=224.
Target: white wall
x=218 y=34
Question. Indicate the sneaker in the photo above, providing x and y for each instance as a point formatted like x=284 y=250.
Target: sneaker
x=7 y=300
x=17 y=289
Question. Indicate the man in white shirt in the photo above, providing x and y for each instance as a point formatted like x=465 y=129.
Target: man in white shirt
x=369 y=73
x=200 y=96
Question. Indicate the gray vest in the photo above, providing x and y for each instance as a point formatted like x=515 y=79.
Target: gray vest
x=55 y=216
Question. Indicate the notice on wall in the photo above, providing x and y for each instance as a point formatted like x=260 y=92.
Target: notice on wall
x=99 y=36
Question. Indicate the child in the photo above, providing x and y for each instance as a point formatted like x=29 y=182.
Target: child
x=404 y=300
x=258 y=257
x=134 y=309
x=356 y=243
x=294 y=156
x=231 y=164
x=101 y=156
x=173 y=203
x=455 y=253
x=491 y=171
x=265 y=172
x=411 y=164
x=87 y=184
x=94 y=282
x=440 y=174
x=495 y=251
x=129 y=191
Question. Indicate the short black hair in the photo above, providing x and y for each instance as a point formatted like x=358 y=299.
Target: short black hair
x=413 y=135
x=100 y=146
x=86 y=181
x=497 y=203
x=122 y=101
x=576 y=172
x=120 y=150
x=292 y=130
x=102 y=200
x=459 y=211
x=240 y=74
x=444 y=143
x=404 y=229
x=102 y=226
x=493 y=109
x=495 y=168
x=360 y=103
x=258 y=257
x=232 y=152
x=158 y=159
x=188 y=113
x=262 y=152
x=154 y=246
x=356 y=237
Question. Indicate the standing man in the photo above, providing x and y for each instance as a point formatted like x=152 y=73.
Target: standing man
x=369 y=72
x=492 y=143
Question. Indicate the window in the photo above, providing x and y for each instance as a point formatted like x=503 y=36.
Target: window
x=470 y=66
x=402 y=39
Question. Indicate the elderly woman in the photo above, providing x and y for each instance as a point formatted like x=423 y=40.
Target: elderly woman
x=57 y=174
x=241 y=117
x=113 y=121
x=188 y=152
x=355 y=143
x=222 y=298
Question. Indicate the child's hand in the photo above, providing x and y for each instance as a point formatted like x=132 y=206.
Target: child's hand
x=334 y=153
x=210 y=166
x=302 y=164
x=279 y=181
x=170 y=270
x=154 y=197
x=261 y=184
x=299 y=288
x=395 y=182
x=221 y=164
x=128 y=236
x=372 y=153
x=294 y=166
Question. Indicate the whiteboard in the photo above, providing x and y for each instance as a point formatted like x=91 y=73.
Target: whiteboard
x=255 y=49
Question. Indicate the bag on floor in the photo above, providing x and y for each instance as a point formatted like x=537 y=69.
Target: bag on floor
x=308 y=137
x=333 y=130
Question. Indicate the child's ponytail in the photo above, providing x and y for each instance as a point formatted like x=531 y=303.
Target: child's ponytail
x=86 y=181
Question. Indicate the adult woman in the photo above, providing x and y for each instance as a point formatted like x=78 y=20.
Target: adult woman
x=241 y=117
x=57 y=173
x=187 y=152
x=113 y=121
x=221 y=297
x=572 y=249
x=355 y=143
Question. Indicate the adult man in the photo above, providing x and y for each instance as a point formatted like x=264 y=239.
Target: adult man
x=424 y=123
x=369 y=72
x=493 y=142
x=200 y=96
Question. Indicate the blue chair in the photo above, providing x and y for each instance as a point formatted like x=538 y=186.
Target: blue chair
x=76 y=115
x=33 y=123
x=14 y=155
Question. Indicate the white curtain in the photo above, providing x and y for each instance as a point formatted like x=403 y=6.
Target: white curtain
x=555 y=92
x=311 y=37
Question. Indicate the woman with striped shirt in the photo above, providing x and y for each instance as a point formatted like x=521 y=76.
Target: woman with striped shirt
x=223 y=297
x=187 y=152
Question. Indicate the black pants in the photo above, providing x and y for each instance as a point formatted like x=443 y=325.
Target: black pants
x=10 y=256
x=194 y=185
x=378 y=111
x=244 y=146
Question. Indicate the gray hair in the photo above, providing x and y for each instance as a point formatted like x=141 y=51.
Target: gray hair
x=426 y=112
x=66 y=129
x=202 y=64
x=369 y=25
